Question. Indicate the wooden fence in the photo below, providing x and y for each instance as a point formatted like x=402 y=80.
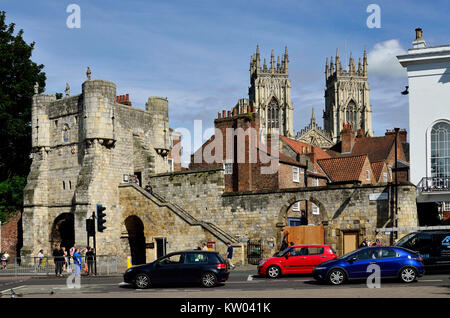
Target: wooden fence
x=305 y=234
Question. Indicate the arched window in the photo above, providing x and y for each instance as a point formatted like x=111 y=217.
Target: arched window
x=273 y=114
x=440 y=150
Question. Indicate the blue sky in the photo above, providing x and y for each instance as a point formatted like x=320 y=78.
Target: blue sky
x=197 y=53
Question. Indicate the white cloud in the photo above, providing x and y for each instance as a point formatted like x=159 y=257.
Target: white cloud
x=383 y=59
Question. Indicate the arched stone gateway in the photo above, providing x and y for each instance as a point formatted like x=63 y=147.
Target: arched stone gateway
x=300 y=210
x=136 y=239
x=63 y=231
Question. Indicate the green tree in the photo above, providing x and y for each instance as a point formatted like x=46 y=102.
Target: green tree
x=18 y=75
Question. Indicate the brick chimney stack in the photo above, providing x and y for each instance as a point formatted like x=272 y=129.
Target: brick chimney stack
x=347 y=138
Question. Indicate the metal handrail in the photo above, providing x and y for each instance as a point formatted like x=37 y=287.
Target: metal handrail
x=433 y=184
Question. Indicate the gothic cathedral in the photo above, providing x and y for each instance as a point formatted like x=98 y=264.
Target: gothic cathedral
x=347 y=98
x=270 y=94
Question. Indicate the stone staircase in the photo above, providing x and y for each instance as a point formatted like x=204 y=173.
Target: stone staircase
x=186 y=216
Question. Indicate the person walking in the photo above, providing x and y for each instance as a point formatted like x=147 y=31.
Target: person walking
x=149 y=188
x=66 y=259
x=39 y=258
x=77 y=262
x=230 y=256
x=365 y=243
x=58 y=258
x=90 y=261
x=72 y=251
x=377 y=243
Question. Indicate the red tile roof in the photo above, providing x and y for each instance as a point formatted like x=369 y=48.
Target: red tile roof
x=377 y=168
x=298 y=147
x=343 y=169
x=283 y=158
x=377 y=148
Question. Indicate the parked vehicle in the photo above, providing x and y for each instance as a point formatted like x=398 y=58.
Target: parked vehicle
x=394 y=262
x=433 y=246
x=199 y=267
x=297 y=259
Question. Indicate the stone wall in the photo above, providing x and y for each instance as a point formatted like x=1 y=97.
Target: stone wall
x=261 y=215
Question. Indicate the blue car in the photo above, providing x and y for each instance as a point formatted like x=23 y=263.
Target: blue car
x=394 y=262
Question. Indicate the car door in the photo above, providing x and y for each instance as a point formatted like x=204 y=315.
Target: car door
x=194 y=266
x=389 y=262
x=168 y=269
x=314 y=257
x=296 y=262
x=358 y=264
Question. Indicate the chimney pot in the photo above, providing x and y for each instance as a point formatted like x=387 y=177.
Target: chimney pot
x=419 y=34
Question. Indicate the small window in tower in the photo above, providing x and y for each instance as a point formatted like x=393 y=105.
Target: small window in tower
x=64 y=185
x=367 y=175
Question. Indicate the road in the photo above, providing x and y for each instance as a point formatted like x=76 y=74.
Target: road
x=241 y=284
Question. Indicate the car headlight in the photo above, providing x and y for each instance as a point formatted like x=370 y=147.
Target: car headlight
x=319 y=268
x=262 y=262
x=128 y=270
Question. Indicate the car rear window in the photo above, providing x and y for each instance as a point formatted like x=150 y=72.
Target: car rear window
x=196 y=258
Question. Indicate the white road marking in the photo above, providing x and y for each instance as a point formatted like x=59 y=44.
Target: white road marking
x=14 y=288
x=250 y=277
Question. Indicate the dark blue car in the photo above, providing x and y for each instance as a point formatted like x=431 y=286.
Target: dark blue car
x=394 y=262
x=205 y=267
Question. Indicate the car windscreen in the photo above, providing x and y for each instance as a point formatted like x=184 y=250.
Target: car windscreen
x=402 y=242
x=283 y=252
x=347 y=255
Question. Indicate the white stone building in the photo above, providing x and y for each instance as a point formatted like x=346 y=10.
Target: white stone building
x=429 y=119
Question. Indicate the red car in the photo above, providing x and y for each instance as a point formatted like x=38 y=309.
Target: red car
x=297 y=259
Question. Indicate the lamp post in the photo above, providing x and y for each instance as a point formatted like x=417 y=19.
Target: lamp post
x=396 y=129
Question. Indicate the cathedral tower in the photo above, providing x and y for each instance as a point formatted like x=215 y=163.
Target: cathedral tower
x=347 y=97
x=270 y=93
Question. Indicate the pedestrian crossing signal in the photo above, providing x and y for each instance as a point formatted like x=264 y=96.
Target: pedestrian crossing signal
x=100 y=218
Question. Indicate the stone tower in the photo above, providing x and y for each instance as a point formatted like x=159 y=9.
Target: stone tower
x=347 y=97
x=83 y=148
x=270 y=93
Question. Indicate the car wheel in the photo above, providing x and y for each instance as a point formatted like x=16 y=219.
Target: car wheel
x=408 y=275
x=336 y=276
x=273 y=272
x=142 y=281
x=208 y=280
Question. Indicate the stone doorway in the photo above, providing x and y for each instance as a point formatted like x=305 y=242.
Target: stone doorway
x=63 y=231
x=136 y=239
x=350 y=242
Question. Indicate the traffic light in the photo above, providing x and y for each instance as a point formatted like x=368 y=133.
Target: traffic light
x=90 y=227
x=100 y=217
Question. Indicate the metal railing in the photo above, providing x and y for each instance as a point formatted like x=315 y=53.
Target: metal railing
x=434 y=184
x=33 y=265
